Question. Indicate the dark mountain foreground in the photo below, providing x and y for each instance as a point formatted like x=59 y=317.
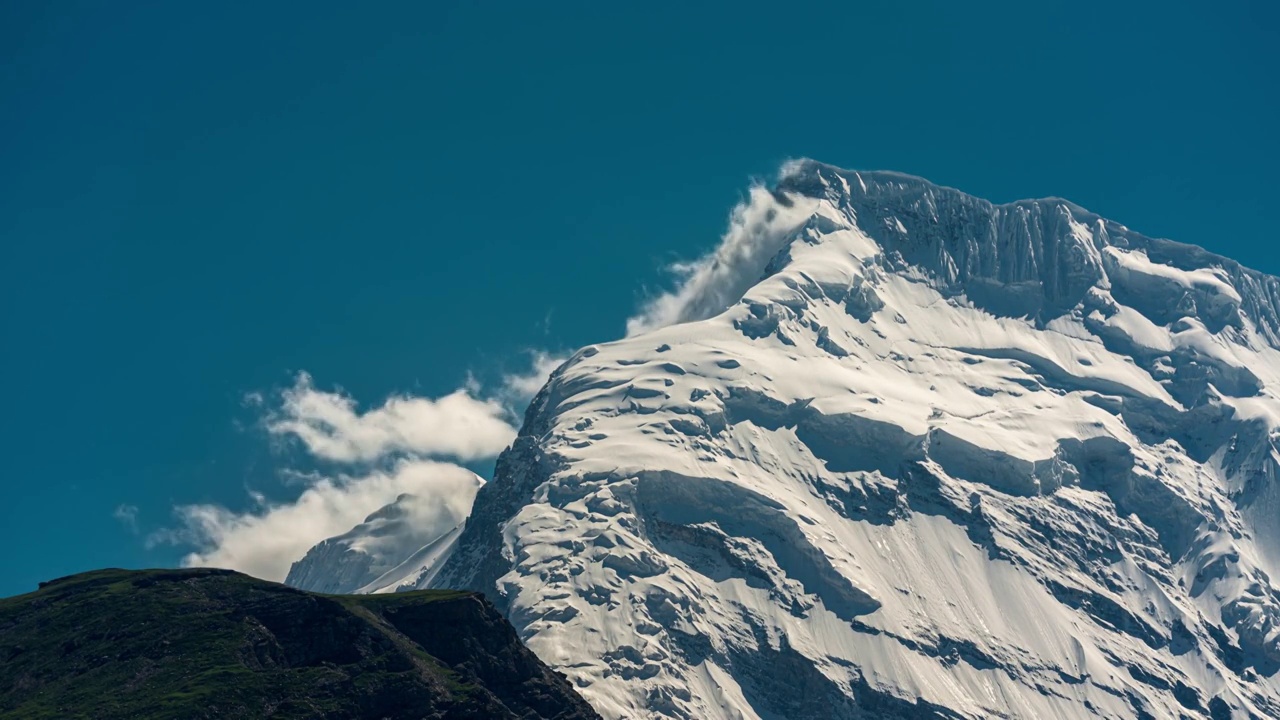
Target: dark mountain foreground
x=218 y=644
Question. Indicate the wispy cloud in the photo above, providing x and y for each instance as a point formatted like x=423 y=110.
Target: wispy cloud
x=265 y=540
x=758 y=228
x=127 y=515
x=456 y=425
x=518 y=388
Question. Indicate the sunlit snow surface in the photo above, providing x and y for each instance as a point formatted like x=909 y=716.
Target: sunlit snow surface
x=945 y=458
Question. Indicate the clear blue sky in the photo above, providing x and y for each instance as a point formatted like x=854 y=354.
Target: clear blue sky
x=199 y=199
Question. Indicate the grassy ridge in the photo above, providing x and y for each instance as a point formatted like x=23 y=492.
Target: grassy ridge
x=214 y=644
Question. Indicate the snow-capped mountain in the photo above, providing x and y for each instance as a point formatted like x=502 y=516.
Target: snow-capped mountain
x=401 y=545
x=901 y=452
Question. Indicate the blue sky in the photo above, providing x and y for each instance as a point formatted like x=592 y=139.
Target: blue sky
x=198 y=201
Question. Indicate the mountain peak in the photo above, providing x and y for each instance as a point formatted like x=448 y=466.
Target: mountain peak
x=916 y=453
x=1037 y=258
x=811 y=177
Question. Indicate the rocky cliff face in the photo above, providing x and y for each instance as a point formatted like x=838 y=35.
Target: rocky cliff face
x=215 y=644
x=932 y=457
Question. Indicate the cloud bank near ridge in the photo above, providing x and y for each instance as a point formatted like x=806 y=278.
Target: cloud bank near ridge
x=370 y=457
x=265 y=540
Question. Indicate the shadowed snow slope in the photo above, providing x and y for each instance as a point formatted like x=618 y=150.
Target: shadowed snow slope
x=943 y=459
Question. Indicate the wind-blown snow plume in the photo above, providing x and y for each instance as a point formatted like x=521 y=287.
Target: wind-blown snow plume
x=758 y=228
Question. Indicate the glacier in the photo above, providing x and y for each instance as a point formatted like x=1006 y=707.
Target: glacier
x=904 y=452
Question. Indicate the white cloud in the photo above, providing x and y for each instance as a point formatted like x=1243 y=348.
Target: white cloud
x=758 y=227
x=267 y=539
x=456 y=425
x=269 y=536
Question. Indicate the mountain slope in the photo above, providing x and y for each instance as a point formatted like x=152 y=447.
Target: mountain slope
x=213 y=643
x=906 y=453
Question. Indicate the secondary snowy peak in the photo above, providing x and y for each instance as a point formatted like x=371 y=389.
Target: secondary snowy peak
x=908 y=453
x=400 y=546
